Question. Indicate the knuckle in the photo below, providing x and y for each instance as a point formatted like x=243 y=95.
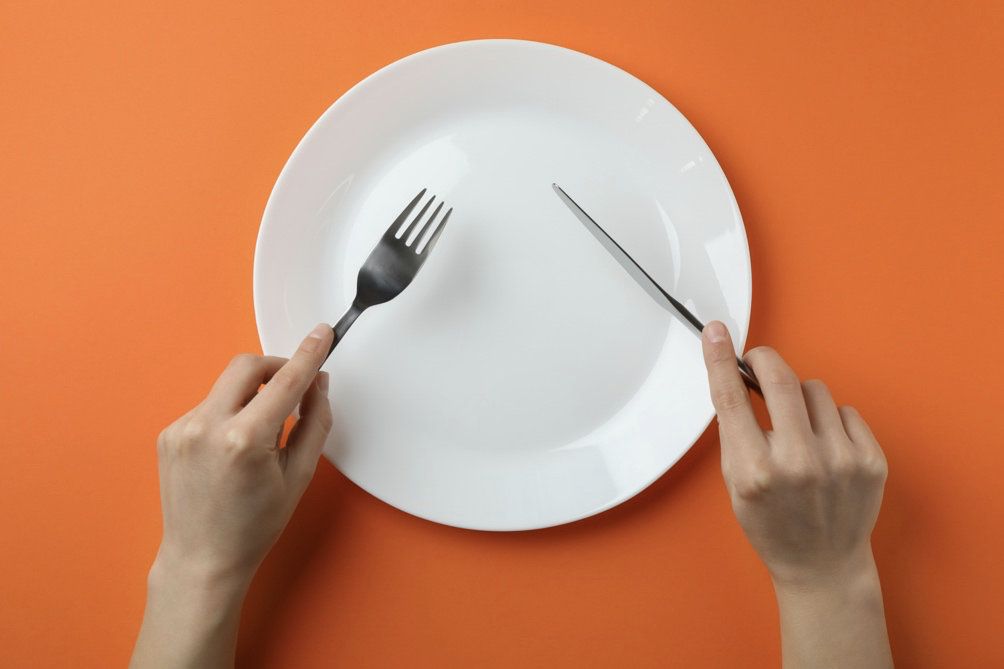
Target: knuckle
x=721 y=354
x=762 y=356
x=780 y=378
x=803 y=474
x=238 y=439
x=762 y=352
x=755 y=484
x=287 y=380
x=875 y=467
x=194 y=432
x=728 y=398
x=843 y=468
x=815 y=386
x=772 y=370
x=244 y=361
x=849 y=412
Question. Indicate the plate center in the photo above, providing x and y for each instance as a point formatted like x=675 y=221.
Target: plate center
x=520 y=332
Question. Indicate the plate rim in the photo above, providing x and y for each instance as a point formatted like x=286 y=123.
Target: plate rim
x=357 y=89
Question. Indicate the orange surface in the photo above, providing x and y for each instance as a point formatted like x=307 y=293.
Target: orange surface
x=139 y=143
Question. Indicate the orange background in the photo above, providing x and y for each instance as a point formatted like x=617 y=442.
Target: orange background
x=139 y=144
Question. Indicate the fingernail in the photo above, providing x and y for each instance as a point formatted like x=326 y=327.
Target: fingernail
x=319 y=331
x=322 y=382
x=715 y=332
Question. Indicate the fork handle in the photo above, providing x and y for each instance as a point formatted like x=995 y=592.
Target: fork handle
x=343 y=325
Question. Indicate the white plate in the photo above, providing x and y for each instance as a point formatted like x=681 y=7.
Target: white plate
x=523 y=380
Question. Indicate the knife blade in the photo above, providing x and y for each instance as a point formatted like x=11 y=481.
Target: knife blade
x=645 y=281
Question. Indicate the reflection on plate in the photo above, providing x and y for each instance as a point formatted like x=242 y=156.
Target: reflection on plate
x=523 y=380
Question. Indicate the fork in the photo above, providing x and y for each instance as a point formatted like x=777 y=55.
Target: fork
x=394 y=261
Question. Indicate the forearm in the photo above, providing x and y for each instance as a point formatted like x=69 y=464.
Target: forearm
x=191 y=619
x=834 y=622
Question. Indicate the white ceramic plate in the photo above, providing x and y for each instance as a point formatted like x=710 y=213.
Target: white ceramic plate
x=523 y=380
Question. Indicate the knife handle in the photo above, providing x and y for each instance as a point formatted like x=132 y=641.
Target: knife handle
x=749 y=378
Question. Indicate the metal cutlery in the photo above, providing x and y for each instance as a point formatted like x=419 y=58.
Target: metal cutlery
x=647 y=283
x=394 y=261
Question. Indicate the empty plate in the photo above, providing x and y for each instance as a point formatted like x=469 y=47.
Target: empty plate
x=523 y=380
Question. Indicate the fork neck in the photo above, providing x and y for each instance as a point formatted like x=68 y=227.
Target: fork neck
x=345 y=322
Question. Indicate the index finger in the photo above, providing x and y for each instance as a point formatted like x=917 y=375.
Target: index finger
x=728 y=393
x=285 y=389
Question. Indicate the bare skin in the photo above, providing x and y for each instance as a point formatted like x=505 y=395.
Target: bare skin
x=806 y=493
x=227 y=492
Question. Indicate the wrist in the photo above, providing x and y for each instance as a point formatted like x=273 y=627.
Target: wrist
x=856 y=575
x=192 y=614
x=201 y=585
x=833 y=617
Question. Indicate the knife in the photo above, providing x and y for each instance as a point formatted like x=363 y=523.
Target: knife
x=648 y=284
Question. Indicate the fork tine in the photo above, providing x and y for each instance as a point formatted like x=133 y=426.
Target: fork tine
x=403 y=215
x=406 y=229
x=415 y=231
x=430 y=239
x=416 y=223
